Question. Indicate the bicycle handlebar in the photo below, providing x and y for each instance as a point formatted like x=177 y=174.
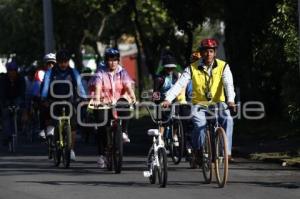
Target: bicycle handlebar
x=103 y=106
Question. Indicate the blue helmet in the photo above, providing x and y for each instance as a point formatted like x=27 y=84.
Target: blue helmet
x=111 y=53
x=11 y=66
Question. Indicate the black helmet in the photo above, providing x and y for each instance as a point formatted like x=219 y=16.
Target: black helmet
x=111 y=53
x=169 y=61
x=63 y=55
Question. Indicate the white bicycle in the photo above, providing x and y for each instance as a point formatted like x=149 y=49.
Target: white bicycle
x=157 y=162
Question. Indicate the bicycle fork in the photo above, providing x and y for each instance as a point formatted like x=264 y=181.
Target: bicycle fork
x=153 y=161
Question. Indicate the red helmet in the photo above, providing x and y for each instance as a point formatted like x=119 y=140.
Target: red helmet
x=208 y=43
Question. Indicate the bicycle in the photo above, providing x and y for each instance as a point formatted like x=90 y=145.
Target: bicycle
x=214 y=149
x=13 y=140
x=114 y=148
x=157 y=163
x=173 y=133
x=174 y=137
x=60 y=143
x=32 y=127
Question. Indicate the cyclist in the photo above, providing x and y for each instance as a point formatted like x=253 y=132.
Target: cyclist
x=164 y=80
x=62 y=91
x=212 y=84
x=111 y=85
x=29 y=82
x=12 y=93
x=49 y=61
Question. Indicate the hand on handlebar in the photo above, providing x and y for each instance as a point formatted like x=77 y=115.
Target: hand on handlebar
x=165 y=104
x=231 y=106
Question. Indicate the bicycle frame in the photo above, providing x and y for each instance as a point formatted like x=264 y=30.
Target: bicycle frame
x=157 y=144
x=62 y=123
x=62 y=140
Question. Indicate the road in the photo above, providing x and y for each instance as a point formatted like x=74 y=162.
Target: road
x=30 y=175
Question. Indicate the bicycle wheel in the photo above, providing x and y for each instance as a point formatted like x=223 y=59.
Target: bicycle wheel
x=109 y=149
x=177 y=142
x=221 y=157
x=207 y=158
x=12 y=144
x=50 y=146
x=56 y=150
x=66 y=150
x=162 y=167
x=150 y=167
x=117 y=148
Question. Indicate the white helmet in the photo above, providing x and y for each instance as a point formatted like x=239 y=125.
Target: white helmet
x=50 y=58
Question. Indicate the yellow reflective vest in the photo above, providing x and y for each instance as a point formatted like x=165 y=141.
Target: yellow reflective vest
x=200 y=80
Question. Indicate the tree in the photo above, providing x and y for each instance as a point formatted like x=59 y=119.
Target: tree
x=21 y=30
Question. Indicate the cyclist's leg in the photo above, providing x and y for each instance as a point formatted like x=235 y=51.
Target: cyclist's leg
x=101 y=136
x=123 y=111
x=185 y=113
x=198 y=135
x=44 y=120
x=101 y=139
x=199 y=121
x=226 y=121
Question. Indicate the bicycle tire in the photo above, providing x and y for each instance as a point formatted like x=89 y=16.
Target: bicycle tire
x=117 y=149
x=176 y=152
x=14 y=144
x=150 y=159
x=207 y=159
x=50 y=146
x=163 y=167
x=109 y=149
x=56 y=149
x=221 y=157
x=66 y=150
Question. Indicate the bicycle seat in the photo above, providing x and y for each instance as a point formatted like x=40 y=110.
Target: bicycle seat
x=153 y=132
x=91 y=105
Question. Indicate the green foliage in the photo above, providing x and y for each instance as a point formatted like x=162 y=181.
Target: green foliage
x=21 y=29
x=285 y=26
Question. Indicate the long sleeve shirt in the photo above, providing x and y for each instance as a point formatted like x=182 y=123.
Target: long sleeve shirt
x=186 y=77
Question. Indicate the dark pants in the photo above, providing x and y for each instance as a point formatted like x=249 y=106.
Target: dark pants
x=104 y=117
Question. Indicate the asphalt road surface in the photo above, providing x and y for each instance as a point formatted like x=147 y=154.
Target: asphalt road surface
x=28 y=174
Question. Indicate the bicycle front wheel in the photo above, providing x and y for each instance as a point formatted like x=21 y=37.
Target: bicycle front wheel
x=150 y=167
x=207 y=158
x=177 y=143
x=66 y=150
x=162 y=167
x=118 y=149
x=221 y=157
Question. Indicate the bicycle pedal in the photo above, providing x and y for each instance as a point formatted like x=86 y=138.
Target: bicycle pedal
x=146 y=174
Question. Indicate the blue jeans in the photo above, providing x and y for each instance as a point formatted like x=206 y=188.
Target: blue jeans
x=199 y=121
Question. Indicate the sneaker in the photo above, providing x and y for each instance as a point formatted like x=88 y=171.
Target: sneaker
x=50 y=130
x=175 y=141
x=42 y=134
x=188 y=155
x=101 y=162
x=125 y=138
x=231 y=159
x=72 y=155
